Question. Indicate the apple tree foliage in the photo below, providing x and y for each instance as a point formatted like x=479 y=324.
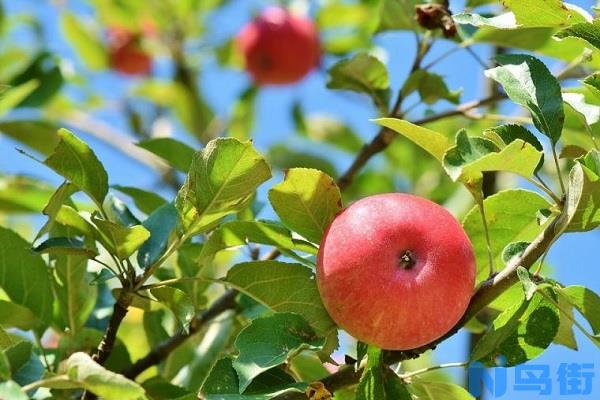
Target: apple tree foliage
x=124 y=293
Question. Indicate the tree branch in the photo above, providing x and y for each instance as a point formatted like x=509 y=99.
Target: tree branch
x=385 y=137
x=107 y=343
x=160 y=352
x=488 y=291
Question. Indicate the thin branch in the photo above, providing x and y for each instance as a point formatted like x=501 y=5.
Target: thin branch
x=348 y=375
x=160 y=352
x=556 y=164
x=433 y=368
x=385 y=137
x=545 y=189
x=107 y=343
x=488 y=240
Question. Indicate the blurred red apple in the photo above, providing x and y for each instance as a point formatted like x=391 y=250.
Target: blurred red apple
x=396 y=271
x=278 y=47
x=126 y=54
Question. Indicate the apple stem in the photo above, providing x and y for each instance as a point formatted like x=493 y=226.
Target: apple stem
x=407 y=260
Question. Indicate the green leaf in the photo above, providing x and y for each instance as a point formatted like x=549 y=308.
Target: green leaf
x=118 y=212
x=472 y=156
x=282 y=287
x=160 y=388
x=89 y=375
x=13 y=96
x=53 y=209
x=503 y=135
x=76 y=298
x=145 y=201
x=270 y=341
x=215 y=340
x=362 y=73
x=511 y=217
x=592 y=83
x=397 y=15
x=438 y=391
x=221 y=181
x=65 y=246
x=24 y=275
x=586 y=302
x=590 y=32
x=582 y=212
x=306 y=202
x=223 y=384
x=565 y=335
x=20 y=194
x=512 y=250
x=346 y=27
x=572 y=151
x=582 y=116
x=550 y=13
x=160 y=224
x=477 y=3
x=177 y=154
x=5 y=339
x=44 y=67
x=86 y=43
x=379 y=382
x=520 y=333
x=18 y=354
x=11 y=390
x=528 y=285
x=178 y=302
x=222 y=379
x=502 y=21
x=76 y=162
x=38 y=135
x=13 y=315
x=588 y=113
x=308 y=367
x=120 y=240
x=4 y=368
x=432 y=142
x=431 y=88
x=24 y=362
x=529 y=83
x=240 y=233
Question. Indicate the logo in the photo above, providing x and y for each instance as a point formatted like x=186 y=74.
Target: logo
x=568 y=379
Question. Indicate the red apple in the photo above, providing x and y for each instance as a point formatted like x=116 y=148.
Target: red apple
x=126 y=54
x=278 y=47
x=396 y=271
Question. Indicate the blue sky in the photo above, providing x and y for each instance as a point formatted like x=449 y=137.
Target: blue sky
x=574 y=256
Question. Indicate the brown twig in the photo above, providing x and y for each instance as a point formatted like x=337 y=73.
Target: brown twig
x=385 y=137
x=107 y=343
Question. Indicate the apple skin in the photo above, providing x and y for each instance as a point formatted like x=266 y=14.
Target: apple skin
x=376 y=297
x=278 y=47
x=125 y=53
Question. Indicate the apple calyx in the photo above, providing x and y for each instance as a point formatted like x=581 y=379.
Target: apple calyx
x=407 y=260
